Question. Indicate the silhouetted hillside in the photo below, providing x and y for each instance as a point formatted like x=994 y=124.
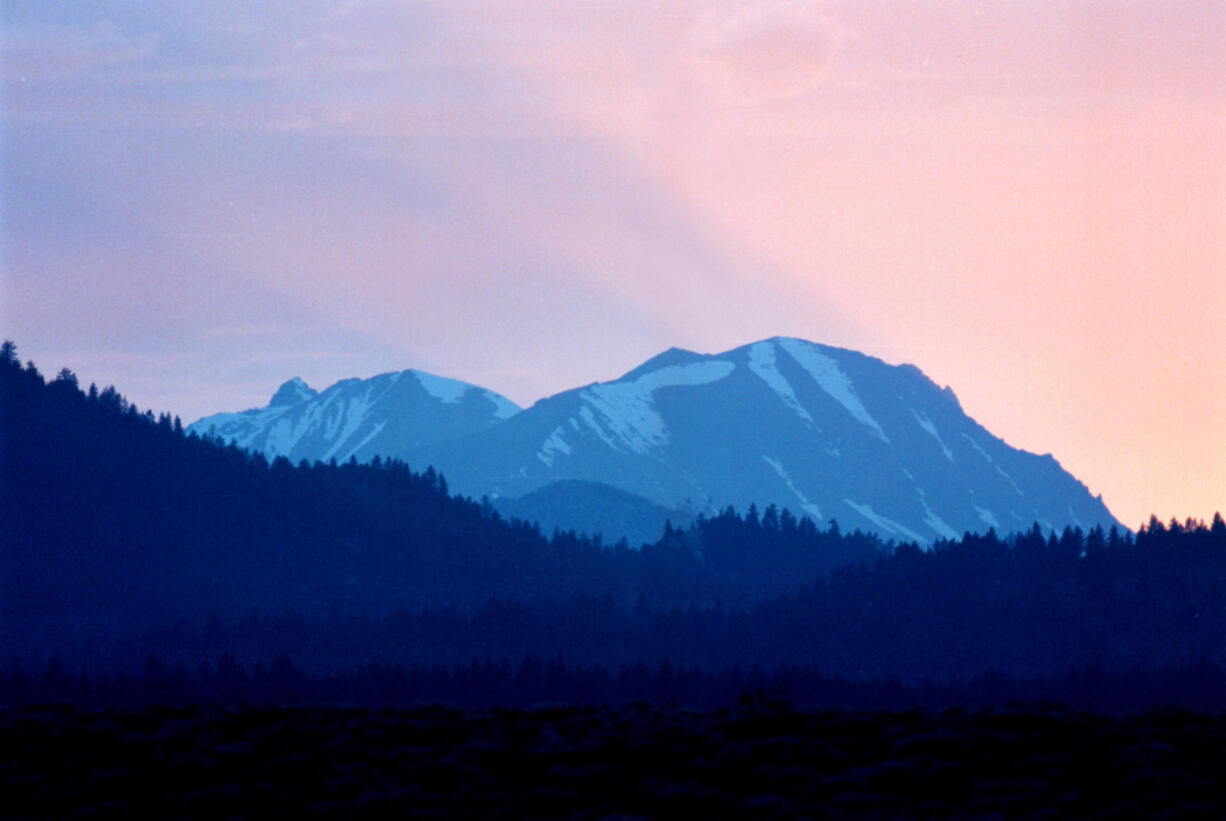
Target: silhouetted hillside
x=123 y=538
x=113 y=521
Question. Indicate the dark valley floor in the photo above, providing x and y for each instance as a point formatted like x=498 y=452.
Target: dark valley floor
x=757 y=759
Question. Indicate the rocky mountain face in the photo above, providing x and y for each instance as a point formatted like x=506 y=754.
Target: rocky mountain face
x=387 y=415
x=826 y=432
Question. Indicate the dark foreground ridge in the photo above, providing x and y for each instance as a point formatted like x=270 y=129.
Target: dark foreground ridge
x=122 y=538
x=758 y=759
x=501 y=685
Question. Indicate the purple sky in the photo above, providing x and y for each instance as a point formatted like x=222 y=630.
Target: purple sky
x=201 y=200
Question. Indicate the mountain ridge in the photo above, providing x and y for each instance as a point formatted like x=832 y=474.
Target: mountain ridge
x=831 y=433
x=385 y=415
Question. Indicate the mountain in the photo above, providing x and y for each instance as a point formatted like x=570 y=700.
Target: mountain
x=127 y=545
x=114 y=523
x=386 y=415
x=826 y=432
x=594 y=508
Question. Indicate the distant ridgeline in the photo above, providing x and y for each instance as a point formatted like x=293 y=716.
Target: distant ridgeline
x=115 y=520
x=825 y=432
x=122 y=537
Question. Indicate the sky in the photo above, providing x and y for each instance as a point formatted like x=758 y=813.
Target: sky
x=1027 y=200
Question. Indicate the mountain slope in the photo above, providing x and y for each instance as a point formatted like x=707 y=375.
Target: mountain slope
x=387 y=415
x=594 y=508
x=826 y=432
x=114 y=522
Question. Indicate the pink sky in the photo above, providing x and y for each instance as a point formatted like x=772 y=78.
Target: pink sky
x=1026 y=200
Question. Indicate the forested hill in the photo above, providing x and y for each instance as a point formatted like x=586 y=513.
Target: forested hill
x=112 y=520
x=121 y=537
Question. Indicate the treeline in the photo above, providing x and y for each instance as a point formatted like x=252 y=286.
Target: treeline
x=112 y=519
x=533 y=681
x=1027 y=606
x=123 y=538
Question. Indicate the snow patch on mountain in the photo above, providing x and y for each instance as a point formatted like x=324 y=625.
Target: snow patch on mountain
x=370 y=436
x=975 y=444
x=282 y=437
x=503 y=408
x=762 y=362
x=992 y=461
x=441 y=388
x=697 y=373
x=805 y=504
x=931 y=519
x=589 y=418
x=330 y=412
x=237 y=426
x=349 y=420
x=938 y=524
x=1009 y=479
x=554 y=446
x=931 y=429
x=1076 y=520
x=829 y=376
x=452 y=391
x=987 y=517
x=628 y=408
x=884 y=523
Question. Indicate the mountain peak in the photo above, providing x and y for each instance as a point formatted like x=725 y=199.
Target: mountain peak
x=389 y=415
x=673 y=356
x=291 y=393
x=827 y=432
x=447 y=391
x=796 y=341
x=824 y=431
x=450 y=391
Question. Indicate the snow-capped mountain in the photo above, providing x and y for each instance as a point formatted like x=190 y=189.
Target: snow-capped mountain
x=825 y=432
x=387 y=415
